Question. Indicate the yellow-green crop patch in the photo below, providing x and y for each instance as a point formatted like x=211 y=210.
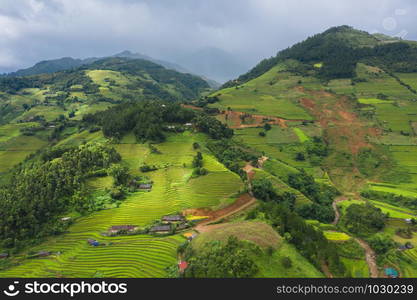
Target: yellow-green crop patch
x=336 y=236
x=374 y=101
x=104 y=77
x=301 y=135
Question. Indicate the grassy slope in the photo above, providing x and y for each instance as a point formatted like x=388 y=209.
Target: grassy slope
x=263 y=235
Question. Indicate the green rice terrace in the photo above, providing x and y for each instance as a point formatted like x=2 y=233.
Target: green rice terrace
x=306 y=166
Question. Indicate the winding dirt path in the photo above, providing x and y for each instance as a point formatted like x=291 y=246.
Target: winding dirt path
x=245 y=201
x=336 y=209
x=370 y=255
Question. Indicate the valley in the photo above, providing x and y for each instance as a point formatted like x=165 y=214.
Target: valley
x=303 y=167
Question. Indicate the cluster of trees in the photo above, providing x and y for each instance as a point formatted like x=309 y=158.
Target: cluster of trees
x=198 y=165
x=221 y=260
x=322 y=196
x=146 y=119
x=213 y=127
x=264 y=190
x=311 y=243
x=39 y=190
x=364 y=220
x=231 y=154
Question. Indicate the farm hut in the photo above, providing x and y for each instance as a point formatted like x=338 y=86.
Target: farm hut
x=122 y=228
x=161 y=229
x=145 y=186
x=408 y=221
x=92 y=242
x=4 y=255
x=173 y=218
x=42 y=254
x=182 y=265
x=65 y=219
x=189 y=235
x=391 y=272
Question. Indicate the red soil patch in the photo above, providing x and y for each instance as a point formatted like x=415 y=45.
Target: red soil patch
x=191 y=107
x=308 y=103
x=244 y=201
x=246 y=120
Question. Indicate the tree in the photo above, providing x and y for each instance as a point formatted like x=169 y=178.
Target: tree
x=286 y=262
x=221 y=260
x=263 y=189
x=267 y=127
x=120 y=174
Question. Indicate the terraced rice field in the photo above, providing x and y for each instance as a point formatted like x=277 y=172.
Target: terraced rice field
x=14 y=147
x=139 y=255
x=358 y=267
x=336 y=236
x=394 y=211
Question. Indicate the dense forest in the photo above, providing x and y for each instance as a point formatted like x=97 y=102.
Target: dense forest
x=40 y=190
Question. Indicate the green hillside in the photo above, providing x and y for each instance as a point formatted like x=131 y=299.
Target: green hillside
x=303 y=167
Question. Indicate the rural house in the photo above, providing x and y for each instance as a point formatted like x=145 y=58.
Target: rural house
x=4 y=255
x=161 y=229
x=173 y=218
x=182 y=265
x=92 y=242
x=42 y=254
x=122 y=228
x=145 y=186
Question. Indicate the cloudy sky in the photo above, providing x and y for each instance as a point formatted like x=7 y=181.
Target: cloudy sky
x=34 y=30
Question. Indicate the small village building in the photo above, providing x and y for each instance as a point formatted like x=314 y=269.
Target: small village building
x=122 y=228
x=408 y=221
x=93 y=243
x=160 y=229
x=391 y=272
x=173 y=218
x=145 y=186
x=188 y=124
x=65 y=219
x=4 y=255
x=43 y=254
x=189 y=236
x=182 y=266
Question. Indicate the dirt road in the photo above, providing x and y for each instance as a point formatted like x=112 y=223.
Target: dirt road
x=370 y=257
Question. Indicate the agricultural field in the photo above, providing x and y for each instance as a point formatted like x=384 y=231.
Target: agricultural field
x=336 y=236
x=301 y=135
x=138 y=255
x=394 y=211
x=280 y=144
x=271 y=94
